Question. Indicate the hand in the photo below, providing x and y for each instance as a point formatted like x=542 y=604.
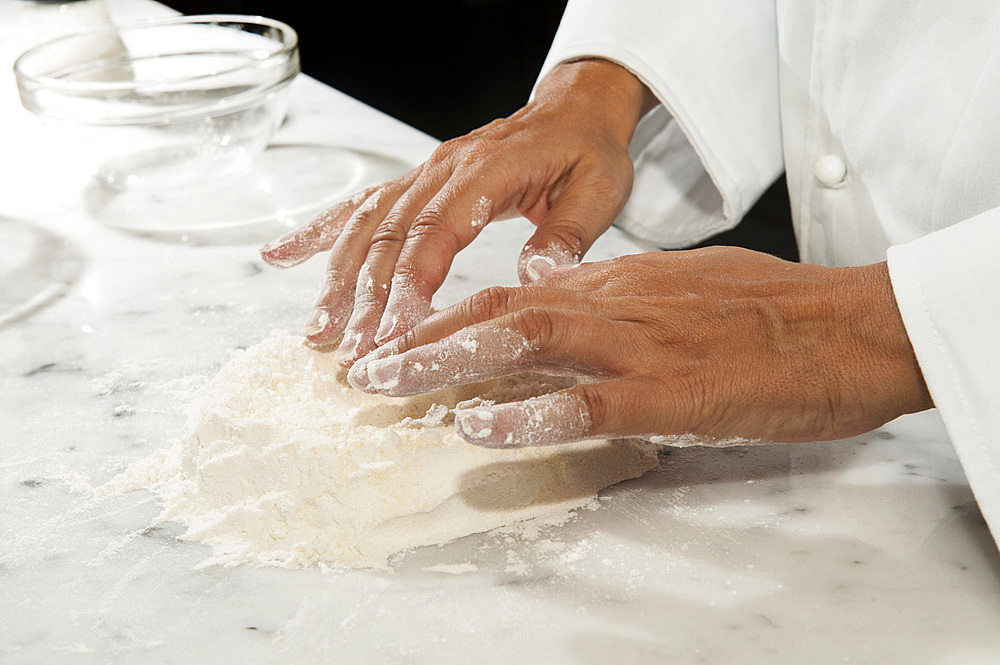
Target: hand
x=561 y=161
x=720 y=343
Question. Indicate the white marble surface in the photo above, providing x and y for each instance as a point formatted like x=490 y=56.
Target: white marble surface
x=868 y=550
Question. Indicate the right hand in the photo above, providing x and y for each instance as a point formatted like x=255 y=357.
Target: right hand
x=561 y=161
x=722 y=343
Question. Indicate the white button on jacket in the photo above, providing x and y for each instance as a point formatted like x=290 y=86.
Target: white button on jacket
x=907 y=92
x=830 y=170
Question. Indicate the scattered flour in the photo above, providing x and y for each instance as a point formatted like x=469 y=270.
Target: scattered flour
x=481 y=212
x=285 y=464
x=451 y=568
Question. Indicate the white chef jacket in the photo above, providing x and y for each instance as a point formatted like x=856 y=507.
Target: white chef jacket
x=885 y=117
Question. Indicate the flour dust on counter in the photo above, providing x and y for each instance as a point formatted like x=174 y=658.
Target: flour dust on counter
x=285 y=464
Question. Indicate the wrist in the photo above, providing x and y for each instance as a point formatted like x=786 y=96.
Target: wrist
x=892 y=363
x=599 y=94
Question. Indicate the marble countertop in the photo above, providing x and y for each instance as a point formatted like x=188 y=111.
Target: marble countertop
x=867 y=550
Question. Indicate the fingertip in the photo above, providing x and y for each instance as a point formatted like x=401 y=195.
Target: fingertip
x=359 y=335
x=383 y=375
x=348 y=347
x=323 y=326
x=404 y=309
x=282 y=252
x=538 y=263
x=476 y=426
x=357 y=376
x=539 y=267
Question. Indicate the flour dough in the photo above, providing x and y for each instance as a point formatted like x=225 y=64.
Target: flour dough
x=287 y=465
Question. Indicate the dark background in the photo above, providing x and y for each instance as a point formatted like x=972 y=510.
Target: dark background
x=449 y=66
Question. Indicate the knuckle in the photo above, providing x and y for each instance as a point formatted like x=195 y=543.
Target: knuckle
x=490 y=303
x=495 y=125
x=474 y=149
x=538 y=326
x=479 y=151
x=406 y=341
x=391 y=231
x=334 y=277
x=572 y=237
x=446 y=150
x=596 y=405
x=430 y=224
x=429 y=220
x=612 y=183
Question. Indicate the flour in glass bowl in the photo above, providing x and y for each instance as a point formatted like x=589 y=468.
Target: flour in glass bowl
x=285 y=464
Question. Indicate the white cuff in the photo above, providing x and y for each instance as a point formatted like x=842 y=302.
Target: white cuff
x=947 y=286
x=704 y=158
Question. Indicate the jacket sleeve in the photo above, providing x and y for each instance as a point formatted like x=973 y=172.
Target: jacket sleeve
x=947 y=286
x=710 y=150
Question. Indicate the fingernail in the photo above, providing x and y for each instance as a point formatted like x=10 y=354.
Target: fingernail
x=391 y=318
x=384 y=373
x=274 y=253
x=357 y=374
x=474 y=424
x=539 y=267
x=275 y=243
x=349 y=344
x=403 y=309
x=317 y=322
x=385 y=331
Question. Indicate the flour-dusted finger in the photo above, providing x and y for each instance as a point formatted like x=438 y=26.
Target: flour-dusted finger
x=537 y=339
x=383 y=259
x=489 y=306
x=473 y=197
x=317 y=235
x=466 y=357
x=369 y=302
x=610 y=409
x=568 y=228
x=336 y=301
x=550 y=419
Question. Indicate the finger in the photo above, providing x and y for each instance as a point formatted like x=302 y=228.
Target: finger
x=335 y=303
x=386 y=242
x=486 y=305
x=466 y=357
x=552 y=341
x=384 y=255
x=611 y=409
x=369 y=302
x=316 y=235
x=373 y=288
x=446 y=224
x=584 y=210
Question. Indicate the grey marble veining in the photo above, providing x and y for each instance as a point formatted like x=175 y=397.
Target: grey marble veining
x=867 y=550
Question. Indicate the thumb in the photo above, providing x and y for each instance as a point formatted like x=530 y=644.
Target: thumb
x=584 y=210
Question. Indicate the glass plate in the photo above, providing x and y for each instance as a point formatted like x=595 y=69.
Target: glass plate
x=280 y=189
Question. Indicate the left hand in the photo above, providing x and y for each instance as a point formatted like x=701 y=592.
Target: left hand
x=720 y=343
x=561 y=161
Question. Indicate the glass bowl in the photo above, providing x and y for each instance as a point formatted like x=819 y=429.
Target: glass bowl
x=162 y=103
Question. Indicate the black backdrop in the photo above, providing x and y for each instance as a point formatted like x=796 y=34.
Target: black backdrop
x=445 y=67
x=449 y=66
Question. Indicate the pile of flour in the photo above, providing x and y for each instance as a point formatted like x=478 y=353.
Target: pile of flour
x=285 y=464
